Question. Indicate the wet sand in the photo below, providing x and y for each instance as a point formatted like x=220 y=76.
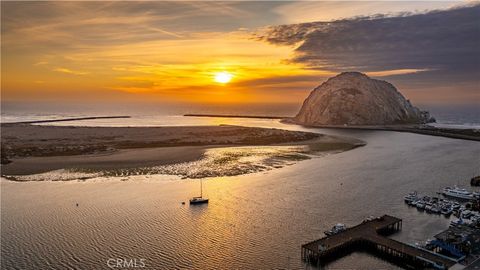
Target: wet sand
x=124 y=158
x=31 y=149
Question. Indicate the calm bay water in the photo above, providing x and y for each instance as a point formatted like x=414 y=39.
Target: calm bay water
x=254 y=221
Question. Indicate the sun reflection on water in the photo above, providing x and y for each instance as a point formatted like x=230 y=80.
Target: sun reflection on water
x=216 y=162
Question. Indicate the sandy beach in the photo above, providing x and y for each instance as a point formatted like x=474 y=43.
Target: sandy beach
x=33 y=149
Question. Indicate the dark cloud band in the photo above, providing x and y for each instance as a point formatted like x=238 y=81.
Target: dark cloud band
x=446 y=40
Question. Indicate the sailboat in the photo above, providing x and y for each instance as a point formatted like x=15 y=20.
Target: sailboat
x=200 y=199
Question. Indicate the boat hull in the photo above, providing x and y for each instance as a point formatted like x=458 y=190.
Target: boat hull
x=198 y=201
x=458 y=196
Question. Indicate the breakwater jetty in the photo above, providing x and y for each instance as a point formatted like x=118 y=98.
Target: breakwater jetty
x=66 y=119
x=371 y=236
x=234 y=116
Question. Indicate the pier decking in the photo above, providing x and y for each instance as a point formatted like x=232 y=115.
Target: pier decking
x=371 y=236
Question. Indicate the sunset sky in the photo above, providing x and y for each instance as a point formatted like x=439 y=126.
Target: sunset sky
x=263 y=52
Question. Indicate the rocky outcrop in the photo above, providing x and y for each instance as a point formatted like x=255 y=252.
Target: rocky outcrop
x=353 y=98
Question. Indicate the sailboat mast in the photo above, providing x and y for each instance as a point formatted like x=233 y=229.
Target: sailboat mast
x=201 y=190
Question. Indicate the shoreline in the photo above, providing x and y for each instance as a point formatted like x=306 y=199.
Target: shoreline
x=462 y=134
x=431 y=131
x=32 y=149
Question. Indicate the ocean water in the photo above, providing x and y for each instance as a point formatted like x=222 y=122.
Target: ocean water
x=466 y=116
x=145 y=114
x=253 y=221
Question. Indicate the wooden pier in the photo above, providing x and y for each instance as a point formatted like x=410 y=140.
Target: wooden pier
x=370 y=236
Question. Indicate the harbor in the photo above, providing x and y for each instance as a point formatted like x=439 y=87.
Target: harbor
x=457 y=201
x=458 y=245
x=461 y=240
x=464 y=205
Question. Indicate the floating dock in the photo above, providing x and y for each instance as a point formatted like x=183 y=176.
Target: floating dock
x=370 y=236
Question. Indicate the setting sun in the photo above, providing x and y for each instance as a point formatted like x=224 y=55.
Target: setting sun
x=223 y=77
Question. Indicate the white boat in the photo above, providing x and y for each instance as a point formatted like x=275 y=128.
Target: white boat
x=200 y=199
x=456 y=222
x=420 y=205
x=456 y=206
x=412 y=196
x=457 y=192
x=370 y=218
x=446 y=211
x=435 y=209
x=340 y=227
x=466 y=214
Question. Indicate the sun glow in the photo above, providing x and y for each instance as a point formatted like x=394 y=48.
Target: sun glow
x=223 y=77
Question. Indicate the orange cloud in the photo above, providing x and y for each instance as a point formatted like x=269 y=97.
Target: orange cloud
x=69 y=71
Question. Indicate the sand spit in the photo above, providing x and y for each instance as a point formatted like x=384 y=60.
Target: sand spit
x=186 y=151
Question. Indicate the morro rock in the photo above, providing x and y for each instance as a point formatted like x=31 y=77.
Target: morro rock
x=353 y=98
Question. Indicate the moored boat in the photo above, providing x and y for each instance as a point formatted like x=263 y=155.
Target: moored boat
x=200 y=199
x=456 y=222
x=420 y=205
x=412 y=196
x=459 y=193
x=340 y=227
x=447 y=211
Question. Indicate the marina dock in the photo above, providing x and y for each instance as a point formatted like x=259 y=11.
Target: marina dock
x=371 y=236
